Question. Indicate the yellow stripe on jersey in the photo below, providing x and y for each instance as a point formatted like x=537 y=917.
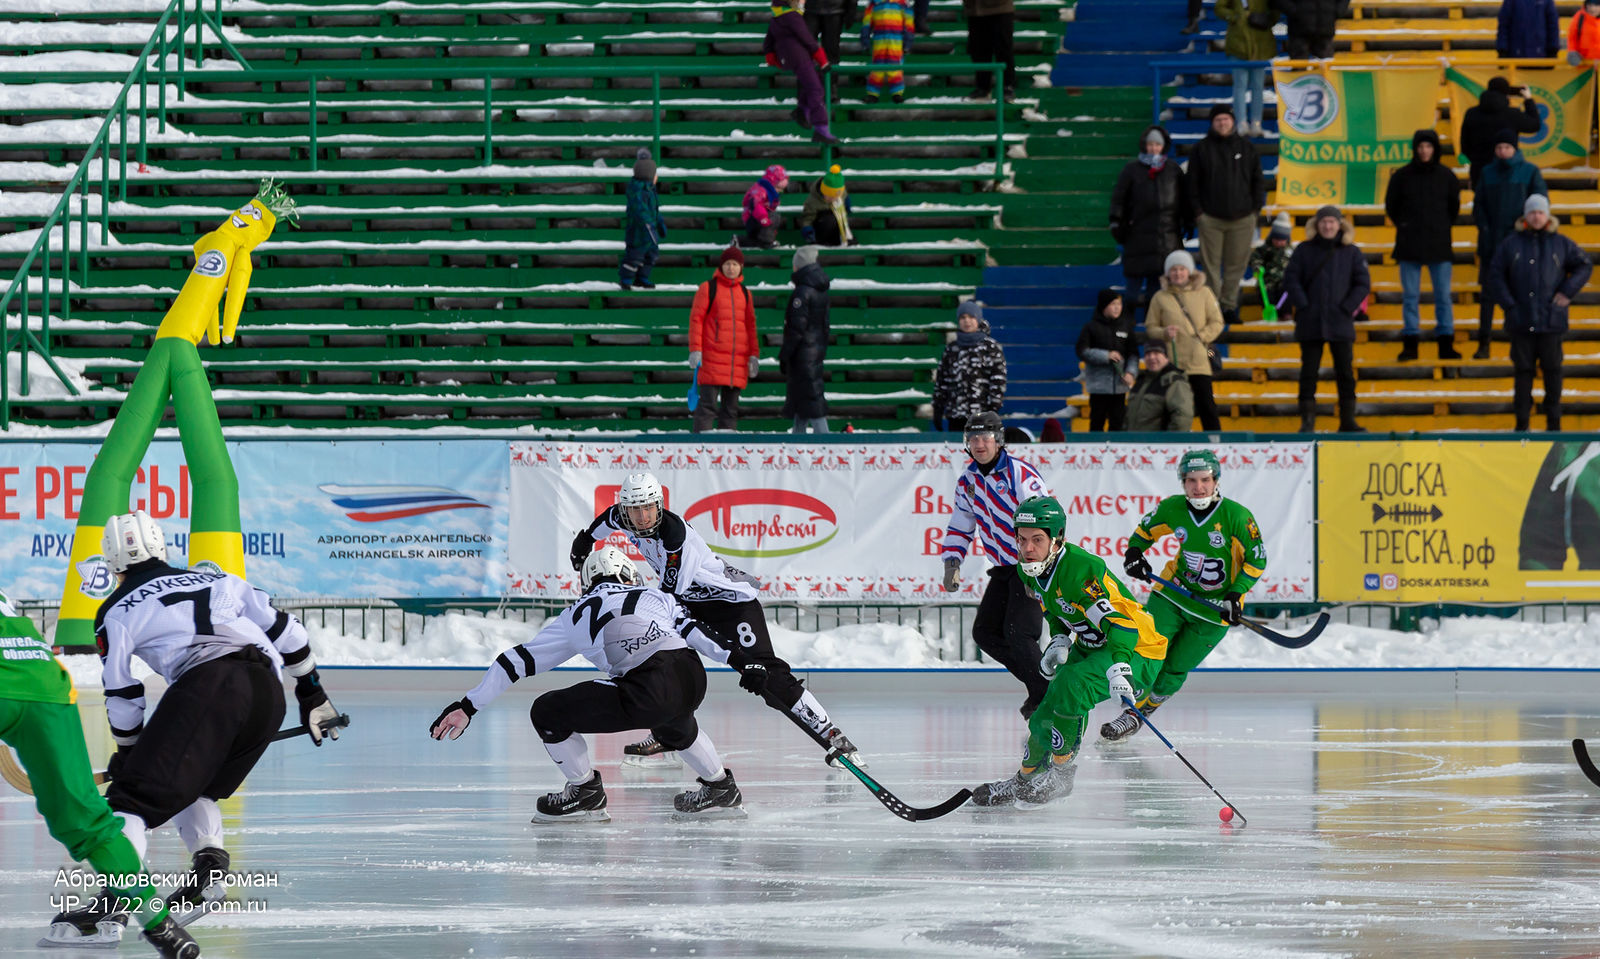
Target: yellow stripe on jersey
x=1153 y=533
x=1240 y=564
x=1151 y=645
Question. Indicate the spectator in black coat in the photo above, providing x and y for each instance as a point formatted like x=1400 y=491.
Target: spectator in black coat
x=1110 y=358
x=805 y=345
x=1229 y=189
x=1423 y=201
x=1311 y=25
x=828 y=19
x=971 y=378
x=1497 y=203
x=1494 y=112
x=1535 y=275
x=1327 y=284
x=1151 y=210
x=1528 y=28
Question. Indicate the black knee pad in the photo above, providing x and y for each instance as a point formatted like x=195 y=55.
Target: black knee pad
x=546 y=733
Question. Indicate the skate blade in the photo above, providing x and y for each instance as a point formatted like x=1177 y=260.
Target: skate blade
x=707 y=815
x=586 y=816
x=64 y=935
x=997 y=807
x=658 y=761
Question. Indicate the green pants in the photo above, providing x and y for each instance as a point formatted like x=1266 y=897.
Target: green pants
x=1189 y=642
x=1056 y=729
x=48 y=738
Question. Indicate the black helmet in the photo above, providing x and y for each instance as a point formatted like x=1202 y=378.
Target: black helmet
x=986 y=422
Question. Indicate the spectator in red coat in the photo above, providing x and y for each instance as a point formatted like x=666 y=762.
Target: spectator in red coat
x=722 y=342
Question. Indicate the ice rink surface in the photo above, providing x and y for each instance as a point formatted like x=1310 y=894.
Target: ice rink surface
x=1389 y=816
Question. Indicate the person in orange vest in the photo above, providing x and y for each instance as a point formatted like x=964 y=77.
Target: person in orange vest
x=723 y=348
x=1583 y=34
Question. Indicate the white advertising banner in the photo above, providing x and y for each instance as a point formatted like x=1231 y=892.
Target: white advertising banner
x=864 y=522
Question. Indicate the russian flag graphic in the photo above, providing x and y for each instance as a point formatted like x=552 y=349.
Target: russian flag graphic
x=375 y=504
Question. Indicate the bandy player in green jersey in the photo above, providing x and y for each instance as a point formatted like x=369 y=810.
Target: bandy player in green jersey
x=1220 y=556
x=1103 y=646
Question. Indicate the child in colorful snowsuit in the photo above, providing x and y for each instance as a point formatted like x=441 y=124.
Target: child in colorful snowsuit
x=887 y=27
x=761 y=218
x=825 y=218
x=643 y=228
x=790 y=45
x=1103 y=645
x=1220 y=557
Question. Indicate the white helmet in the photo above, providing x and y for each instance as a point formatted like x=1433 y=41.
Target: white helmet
x=640 y=489
x=131 y=539
x=609 y=561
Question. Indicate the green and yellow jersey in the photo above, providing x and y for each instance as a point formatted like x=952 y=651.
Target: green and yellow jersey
x=29 y=671
x=1220 y=550
x=1081 y=593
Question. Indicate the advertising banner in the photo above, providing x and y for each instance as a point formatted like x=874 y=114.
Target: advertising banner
x=1342 y=132
x=1564 y=97
x=866 y=522
x=1465 y=522
x=362 y=519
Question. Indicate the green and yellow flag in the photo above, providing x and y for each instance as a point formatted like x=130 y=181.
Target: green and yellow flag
x=1564 y=96
x=1342 y=132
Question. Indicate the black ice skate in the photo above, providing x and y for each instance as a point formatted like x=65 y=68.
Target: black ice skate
x=171 y=940
x=720 y=799
x=95 y=925
x=1052 y=783
x=579 y=802
x=649 y=752
x=1126 y=724
x=1001 y=792
x=206 y=881
x=840 y=745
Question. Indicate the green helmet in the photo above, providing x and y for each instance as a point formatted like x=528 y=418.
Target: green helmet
x=1042 y=512
x=1196 y=461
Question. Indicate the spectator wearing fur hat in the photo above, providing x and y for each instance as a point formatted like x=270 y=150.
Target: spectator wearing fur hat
x=1229 y=190
x=1186 y=316
x=723 y=346
x=1327 y=282
x=1151 y=210
x=971 y=378
x=825 y=217
x=643 y=228
x=1268 y=261
x=1110 y=358
x=805 y=345
x=761 y=219
x=1423 y=201
x=1535 y=275
x=790 y=45
x=1160 y=400
x=1483 y=123
x=1503 y=187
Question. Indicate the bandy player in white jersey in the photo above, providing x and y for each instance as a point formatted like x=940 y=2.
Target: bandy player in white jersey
x=649 y=648
x=721 y=598
x=219 y=644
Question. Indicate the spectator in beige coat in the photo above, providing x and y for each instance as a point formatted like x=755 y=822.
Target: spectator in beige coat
x=1185 y=314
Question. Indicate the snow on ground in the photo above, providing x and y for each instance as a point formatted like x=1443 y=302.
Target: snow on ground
x=42 y=380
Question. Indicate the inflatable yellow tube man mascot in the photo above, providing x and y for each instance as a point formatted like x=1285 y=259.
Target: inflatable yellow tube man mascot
x=172 y=368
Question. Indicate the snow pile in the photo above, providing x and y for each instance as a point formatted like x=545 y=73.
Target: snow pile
x=42 y=382
x=1477 y=641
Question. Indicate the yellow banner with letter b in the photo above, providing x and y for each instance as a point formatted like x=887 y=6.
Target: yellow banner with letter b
x=1342 y=132
x=1564 y=97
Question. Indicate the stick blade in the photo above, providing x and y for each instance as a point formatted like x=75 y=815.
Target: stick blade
x=1291 y=642
x=1580 y=749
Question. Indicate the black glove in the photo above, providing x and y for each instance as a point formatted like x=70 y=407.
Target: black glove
x=116 y=762
x=582 y=546
x=465 y=705
x=753 y=679
x=1232 y=608
x=1135 y=565
x=315 y=708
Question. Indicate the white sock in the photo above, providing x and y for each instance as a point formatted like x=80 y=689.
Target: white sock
x=134 y=828
x=200 y=825
x=703 y=759
x=572 y=755
x=808 y=709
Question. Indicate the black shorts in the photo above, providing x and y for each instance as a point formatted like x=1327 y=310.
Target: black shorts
x=741 y=629
x=660 y=694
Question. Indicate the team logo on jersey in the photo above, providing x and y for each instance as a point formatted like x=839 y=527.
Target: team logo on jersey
x=669 y=572
x=212 y=264
x=1216 y=539
x=375 y=504
x=1180 y=534
x=1094 y=589
x=95 y=579
x=1254 y=530
x=1058 y=742
x=759 y=523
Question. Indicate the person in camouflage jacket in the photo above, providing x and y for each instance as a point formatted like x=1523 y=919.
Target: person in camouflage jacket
x=972 y=373
x=1272 y=259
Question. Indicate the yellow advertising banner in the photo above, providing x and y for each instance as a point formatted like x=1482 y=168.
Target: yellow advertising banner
x=1565 y=100
x=1441 y=521
x=1342 y=132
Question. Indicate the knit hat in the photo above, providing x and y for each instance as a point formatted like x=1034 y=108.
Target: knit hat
x=644 y=168
x=1178 y=258
x=1505 y=136
x=970 y=308
x=1282 y=226
x=1219 y=109
x=1155 y=346
x=833 y=181
x=1104 y=300
x=1537 y=201
x=1154 y=135
x=777 y=176
x=731 y=253
x=804 y=257
x=1499 y=85
x=1329 y=210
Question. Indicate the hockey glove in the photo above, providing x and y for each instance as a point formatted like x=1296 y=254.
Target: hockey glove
x=753 y=679
x=1088 y=636
x=1117 y=679
x=1232 y=608
x=315 y=708
x=454 y=720
x=1054 y=655
x=952 y=574
x=582 y=546
x=1135 y=565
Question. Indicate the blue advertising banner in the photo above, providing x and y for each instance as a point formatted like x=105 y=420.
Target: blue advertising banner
x=346 y=519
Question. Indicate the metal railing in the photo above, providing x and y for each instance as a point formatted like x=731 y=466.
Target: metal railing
x=161 y=46
x=1195 y=64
